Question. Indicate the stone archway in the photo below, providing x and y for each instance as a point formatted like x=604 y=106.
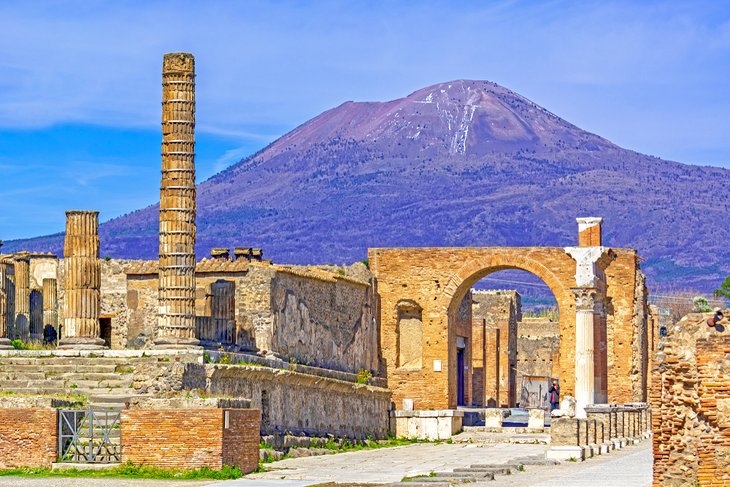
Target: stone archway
x=476 y=269
x=433 y=280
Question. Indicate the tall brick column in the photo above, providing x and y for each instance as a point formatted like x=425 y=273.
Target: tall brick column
x=50 y=304
x=176 y=319
x=4 y=340
x=21 y=265
x=82 y=276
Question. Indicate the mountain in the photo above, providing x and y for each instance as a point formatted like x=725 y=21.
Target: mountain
x=459 y=163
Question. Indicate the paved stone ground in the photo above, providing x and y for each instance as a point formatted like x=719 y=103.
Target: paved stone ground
x=91 y=482
x=630 y=467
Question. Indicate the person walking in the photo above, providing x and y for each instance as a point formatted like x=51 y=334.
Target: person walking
x=554 y=393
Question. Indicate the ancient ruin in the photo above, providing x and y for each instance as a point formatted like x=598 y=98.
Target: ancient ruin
x=236 y=346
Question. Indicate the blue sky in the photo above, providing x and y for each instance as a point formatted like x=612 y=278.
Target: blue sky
x=80 y=81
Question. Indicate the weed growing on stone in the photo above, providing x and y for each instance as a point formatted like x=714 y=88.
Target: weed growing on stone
x=123 y=369
x=132 y=471
x=363 y=376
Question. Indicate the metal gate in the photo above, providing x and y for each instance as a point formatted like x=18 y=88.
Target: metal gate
x=89 y=436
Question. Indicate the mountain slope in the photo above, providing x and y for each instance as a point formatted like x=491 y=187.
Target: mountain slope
x=458 y=163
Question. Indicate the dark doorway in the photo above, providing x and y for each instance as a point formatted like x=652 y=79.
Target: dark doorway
x=105 y=329
x=460 y=377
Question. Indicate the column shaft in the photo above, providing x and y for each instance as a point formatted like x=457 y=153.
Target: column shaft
x=584 y=359
x=50 y=305
x=82 y=278
x=22 y=296
x=4 y=341
x=176 y=319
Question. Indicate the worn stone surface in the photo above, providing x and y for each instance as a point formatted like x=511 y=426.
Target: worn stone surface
x=538 y=354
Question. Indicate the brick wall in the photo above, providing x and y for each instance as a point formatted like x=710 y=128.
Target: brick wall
x=191 y=438
x=28 y=437
x=436 y=279
x=690 y=398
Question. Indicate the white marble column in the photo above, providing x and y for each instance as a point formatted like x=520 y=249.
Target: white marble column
x=584 y=359
x=589 y=292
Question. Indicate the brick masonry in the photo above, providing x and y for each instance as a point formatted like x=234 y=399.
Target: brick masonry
x=191 y=438
x=690 y=398
x=436 y=279
x=28 y=437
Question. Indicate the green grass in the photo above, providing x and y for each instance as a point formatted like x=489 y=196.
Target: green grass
x=130 y=471
x=347 y=445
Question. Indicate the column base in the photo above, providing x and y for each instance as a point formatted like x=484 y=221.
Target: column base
x=78 y=343
x=5 y=344
x=175 y=343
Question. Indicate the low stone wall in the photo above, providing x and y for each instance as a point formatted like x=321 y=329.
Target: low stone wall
x=191 y=438
x=304 y=404
x=28 y=437
x=607 y=427
x=691 y=398
x=426 y=425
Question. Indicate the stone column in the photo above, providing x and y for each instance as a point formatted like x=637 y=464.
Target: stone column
x=82 y=275
x=4 y=340
x=584 y=360
x=50 y=304
x=176 y=318
x=36 y=315
x=21 y=265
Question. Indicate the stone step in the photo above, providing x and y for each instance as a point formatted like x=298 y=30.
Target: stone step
x=75 y=360
x=448 y=480
x=68 y=383
x=49 y=391
x=415 y=483
x=539 y=461
x=59 y=368
x=494 y=470
x=24 y=375
x=512 y=467
x=469 y=475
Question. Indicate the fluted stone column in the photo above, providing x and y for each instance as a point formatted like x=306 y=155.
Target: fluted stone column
x=36 y=315
x=4 y=340
x=50 y=304
x=584 y=360
x=21 y=265
x=82 y=276
x=176 y=319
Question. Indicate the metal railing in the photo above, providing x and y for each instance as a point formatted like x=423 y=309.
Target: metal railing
x=89 y=436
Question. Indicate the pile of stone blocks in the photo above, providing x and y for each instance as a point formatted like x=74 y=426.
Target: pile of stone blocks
x=607 y=427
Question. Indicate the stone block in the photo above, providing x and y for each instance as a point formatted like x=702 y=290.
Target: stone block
x=536 y=419
x=493 y=417
x=564 y=431
x=564 y=452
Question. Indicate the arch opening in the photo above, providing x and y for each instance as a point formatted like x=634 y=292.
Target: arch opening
x=507 y=350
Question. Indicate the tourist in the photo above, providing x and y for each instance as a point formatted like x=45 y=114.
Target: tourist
x=554 y=392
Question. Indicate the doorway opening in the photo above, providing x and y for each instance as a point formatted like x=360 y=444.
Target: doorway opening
x=105 y=330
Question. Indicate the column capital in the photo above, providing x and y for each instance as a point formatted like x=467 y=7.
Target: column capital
x=586 y=298
x=587 y=268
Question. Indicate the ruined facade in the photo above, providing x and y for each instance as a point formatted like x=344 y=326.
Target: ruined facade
x=595 y=288
x=494 y=317
x=538 y=356
x=690 y=399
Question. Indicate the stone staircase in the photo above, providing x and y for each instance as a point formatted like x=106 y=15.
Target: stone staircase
x=472 y=474
x=98 y=378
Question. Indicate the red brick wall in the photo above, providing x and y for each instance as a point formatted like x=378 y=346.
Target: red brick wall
x=28 y=437
x=191 y=438
x=690 y=398
x=590 y=237
x=241 y=439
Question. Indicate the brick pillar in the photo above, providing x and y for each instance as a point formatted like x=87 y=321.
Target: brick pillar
x=21 y=265
x=4 y=340
x=50 y=304
x=82 y=276
x=176 y=319
x=589 y=231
